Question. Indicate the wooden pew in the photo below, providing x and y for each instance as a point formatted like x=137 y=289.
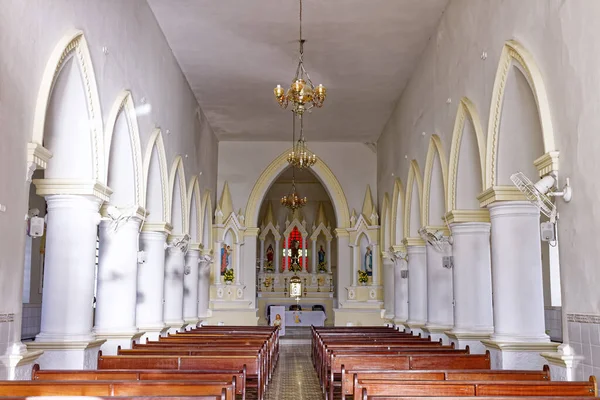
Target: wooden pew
x=390 y=389
x=118 y=388
x=141 y=375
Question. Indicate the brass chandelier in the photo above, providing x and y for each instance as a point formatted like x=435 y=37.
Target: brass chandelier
x=300 y=156
x=293 y=201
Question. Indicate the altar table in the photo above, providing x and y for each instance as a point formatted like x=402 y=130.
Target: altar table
x=304 y=318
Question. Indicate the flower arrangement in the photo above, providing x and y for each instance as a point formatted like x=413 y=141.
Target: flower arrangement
x=322 y=267
x=362 y=276
x=295 y=267
x=228 y=275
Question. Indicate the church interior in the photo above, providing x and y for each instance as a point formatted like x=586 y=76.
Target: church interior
x=425 y=208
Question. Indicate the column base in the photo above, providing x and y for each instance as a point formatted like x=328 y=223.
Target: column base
x=472 y=339
x=564 y=364
x=191 y=323
x=175 y=326
x=400 y=324
x=415 y=327
x=437 y=332
x=518 y=355
x=68 y=354
x=115 y=339
x=152 y=333
x=18 y=367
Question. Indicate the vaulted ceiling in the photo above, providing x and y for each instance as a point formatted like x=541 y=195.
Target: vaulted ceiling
x=234 y=52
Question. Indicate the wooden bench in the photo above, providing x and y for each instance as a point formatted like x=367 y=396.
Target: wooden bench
x=141 y=375
x=390 y=389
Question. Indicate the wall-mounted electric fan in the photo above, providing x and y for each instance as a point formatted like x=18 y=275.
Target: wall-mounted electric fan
x=436 y=239
x=118 y=216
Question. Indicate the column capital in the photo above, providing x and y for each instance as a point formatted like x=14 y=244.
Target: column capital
x=252 y=232
x=84 y=187
x=341 y=232
x=466 y=228
x=499 y=193
x=456 y=216
x=413 y=242
x=162 y=226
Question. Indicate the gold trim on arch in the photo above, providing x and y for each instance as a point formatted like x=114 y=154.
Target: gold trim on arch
x=320 y=169
x=178 y=169
x=435 y=148
x=414 y=173
x=397 y=197
x=156 y=140
x=386 y=224
x=193 y=193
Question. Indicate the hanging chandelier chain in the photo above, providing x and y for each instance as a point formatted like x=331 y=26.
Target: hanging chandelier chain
x=301 y=41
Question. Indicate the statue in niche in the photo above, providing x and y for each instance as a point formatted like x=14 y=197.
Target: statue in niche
x=322 y=261
x=270 y=255
x=369 y=261
x=295 y=264
x=225 y=258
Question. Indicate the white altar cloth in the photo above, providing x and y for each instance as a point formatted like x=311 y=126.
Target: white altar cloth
x=304 y=318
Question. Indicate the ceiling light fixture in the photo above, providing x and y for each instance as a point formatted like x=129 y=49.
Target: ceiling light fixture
x=293 y=201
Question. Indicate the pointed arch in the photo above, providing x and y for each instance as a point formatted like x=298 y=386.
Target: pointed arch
x=207 y=222
x=414 y=176
x=386 y=221
x=398 y=198
x=157 y=141
x=466 y=109
x=514 y=52
x=320 y=170
x=73 y=44
x=177 y=170
x=194 y=207
x=124 y=103
x=435 y=150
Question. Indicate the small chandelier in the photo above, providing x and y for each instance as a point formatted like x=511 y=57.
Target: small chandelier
x=300 y=156
x=293 y=201
x=302 y=92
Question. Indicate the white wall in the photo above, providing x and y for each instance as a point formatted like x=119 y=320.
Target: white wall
x=241 y=163
x=138 y=59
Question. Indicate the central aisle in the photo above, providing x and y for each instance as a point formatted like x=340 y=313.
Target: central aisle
x=294 y=377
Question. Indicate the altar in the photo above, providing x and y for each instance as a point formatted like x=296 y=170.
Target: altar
x=304 y=318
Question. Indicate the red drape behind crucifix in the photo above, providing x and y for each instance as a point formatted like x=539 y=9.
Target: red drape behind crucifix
x=294 y=237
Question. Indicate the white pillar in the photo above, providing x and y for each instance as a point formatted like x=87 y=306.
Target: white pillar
x=440 y=312
x=400 y=293
x=315 y=256
x=203 y=288
x=417 y=288
x=173 y=307
x=238 y=263
x=355 y=263
x=71 y=235
x=190 y=287
x=517 y=273
x=473 y=318
x=116 y=292
x=388 y=287
x=277 y=256
x=217 y=264
x=328 y=256
x=286 y=266
x=304 y=256
x=375 y=254
x=344 y=259
x=151 y=278
x=247 y=267
x=261 y=256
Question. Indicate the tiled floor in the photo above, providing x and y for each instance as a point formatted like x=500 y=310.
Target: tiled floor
x=294 y=377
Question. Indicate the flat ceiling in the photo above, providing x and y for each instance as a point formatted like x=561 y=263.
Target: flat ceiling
x=234 y=52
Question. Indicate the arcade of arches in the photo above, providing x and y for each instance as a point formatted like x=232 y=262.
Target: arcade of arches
x=158 y=192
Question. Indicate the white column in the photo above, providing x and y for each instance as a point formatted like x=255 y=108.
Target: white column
x=517 y=273
x=116 y=292
x=190 y=287
x=388 y=287
x=375 y=254
x=71 y=235
x=217 y=263
x=400 y=292
x=328 y=256
x=285 y=258
x=203 y=288
x=173 y=307
x=238 y=263
x=344 y=264
x=247 y=267
x=151 y=278
x=472 y=278
x=315 y=256
x=440 y=312
x=304 y=256
x=277 y=256
x=261 y=256
x=355 y=263
x=417 y=287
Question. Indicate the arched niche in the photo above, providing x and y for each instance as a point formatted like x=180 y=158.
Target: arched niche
x=124 y=154
x=364 y=244
x=397 y=230
x=207 y=221
x=386 y=220
x=194 y=204
x=466 y=170
x=156 y=180
x=414 y=199
x=519 y=79
x=178 y=202
x=68 y=114
x=435 y=185
x=320 y=170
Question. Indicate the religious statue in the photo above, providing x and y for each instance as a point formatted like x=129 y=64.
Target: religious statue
x=270 y=255
x=322 y=263
x=225 y=257
x=295 y=264
x=369 y=261
x=277 y=321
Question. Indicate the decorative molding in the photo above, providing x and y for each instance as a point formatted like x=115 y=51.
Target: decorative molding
x=46 y=187
x=500 y=193
x=193 y=195
x=457 y=216
x=584 y=318
x=157 y=140
x=37 y=157
x=207 y=218
x=413 y=241
x=435 y=148
x=341 y=232
x=466 y=108
x=514 y=52
x=521 y=346
x=65 y=345
x=414 y=174
x=157 y=227
x=252 y=232
x=178 y=170
x=320 y=169
x=321 y=229
x=547 y=163
x=386 y=224
x=397 y=213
